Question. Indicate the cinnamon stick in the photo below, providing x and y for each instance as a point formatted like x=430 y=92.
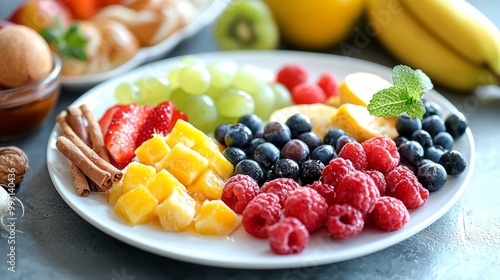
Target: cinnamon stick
x=79 y=179
x=96 y=138
x=74 y=118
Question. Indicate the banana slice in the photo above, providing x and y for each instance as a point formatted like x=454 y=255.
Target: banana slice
x=358 y=88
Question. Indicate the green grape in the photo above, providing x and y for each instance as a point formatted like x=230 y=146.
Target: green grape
x=221 y=119
x=192 y=60
x=180 y=98
x=249 y=78
x=215 y=92
x=153 y=91
x=235 y=103
x=265 y=102
x=173 y=77
x=201 y=112
x=126 y=93
x=282 y=95
x=222 y=73
x=194 y=79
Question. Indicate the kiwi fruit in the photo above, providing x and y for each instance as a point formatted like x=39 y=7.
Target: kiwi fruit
x=246 y=24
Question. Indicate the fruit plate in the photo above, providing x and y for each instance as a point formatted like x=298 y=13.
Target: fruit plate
x=208 y=11
x=239 y=250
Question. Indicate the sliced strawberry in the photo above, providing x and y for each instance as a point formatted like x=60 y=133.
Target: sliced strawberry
x=107 y=117
x=122 y=133
x=157 y=122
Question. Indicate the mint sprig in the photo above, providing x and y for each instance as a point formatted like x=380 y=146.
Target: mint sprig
x=405 y=96
x=68 y=42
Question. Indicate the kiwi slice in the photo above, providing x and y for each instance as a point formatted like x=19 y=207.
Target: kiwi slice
x=247 y=24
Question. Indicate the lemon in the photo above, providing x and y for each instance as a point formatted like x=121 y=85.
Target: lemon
x=358 y=88
x=316 y=24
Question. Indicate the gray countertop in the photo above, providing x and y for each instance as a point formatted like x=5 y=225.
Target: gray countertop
x=53 y=242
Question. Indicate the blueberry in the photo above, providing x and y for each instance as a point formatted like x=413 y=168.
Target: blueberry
x=456 y=124
x=332 y=135
x=344 y=139
x=238 y=135
x=251 y=168
x=250 y=149
x=443 y=139
x=411 y=152
x=310 y=171
x=277 y=133
x=324 y=153
x=400 y=140
x=406 y=125
x=234 y=155
x=454 y=162
x=433 y=124
x=433 y=153
x=266 y=154
x=295 y=150
x=422 y=137
x=286 y=168
x=424 y=161
x=311 y=139
x=298 y=124
x=432 y=176
x=253 y=122
x=432 y=108
x=220 y=132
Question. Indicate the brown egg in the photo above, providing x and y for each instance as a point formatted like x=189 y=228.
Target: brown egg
x=25 y=57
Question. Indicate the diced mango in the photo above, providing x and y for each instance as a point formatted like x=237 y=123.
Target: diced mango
x=115 y=192
x=185 y=133
x=163 y=184
x=152 y=150
x=216 y=160
x=177 y=211
x=215 y=218
x=137 y=174
x=136 y=206
x=209 y=184
x=185 y=164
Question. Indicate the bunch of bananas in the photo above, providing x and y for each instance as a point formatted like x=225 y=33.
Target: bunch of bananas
x=450 y=40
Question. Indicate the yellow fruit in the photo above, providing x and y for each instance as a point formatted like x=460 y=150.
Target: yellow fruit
x=316 y=24
x=216 y=160
x=357 y=122
x=152 y=150
x=163 y=184
x=137 y=174
x=209 y=184
x=320 y=114
x=358 y=88
x=177 y=211
x=185 y=164
x=115 y=192
x=215 y=218
x=136 y=206
x=185 y=133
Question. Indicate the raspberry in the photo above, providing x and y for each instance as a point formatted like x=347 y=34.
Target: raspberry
x=356 y=154
x=343 y=221
x=280 y=187
x=308 y=93
x=288 y=236
x=308 y=206
x=390 y=213
x=291 y=75
x=410 y=192
x=262 y=211
x=381 y=153
x=325 y=190
x=238 y=191
x=379 y=179
x=335 y=170
x=399 y=173
x=329 y=83
x=358 y=190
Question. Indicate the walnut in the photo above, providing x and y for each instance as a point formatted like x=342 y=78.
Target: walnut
x=13 y=165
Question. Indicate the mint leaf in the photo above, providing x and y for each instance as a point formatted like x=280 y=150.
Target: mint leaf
x=404 y=97
x=67 y=42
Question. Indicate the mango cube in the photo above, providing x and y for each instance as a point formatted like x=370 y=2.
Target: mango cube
x=216 y=160
x=163 y=184
x=177 y=211
x=136 y=206
x=152 y=150
x=209 y=184
x=185 y=164
x=215 y=218
x=185 y=133
x=136 y=175
x=115 y=192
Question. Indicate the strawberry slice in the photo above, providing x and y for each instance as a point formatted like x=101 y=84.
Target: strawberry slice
x=108 y=117
x=157 y=122
x=122 y=133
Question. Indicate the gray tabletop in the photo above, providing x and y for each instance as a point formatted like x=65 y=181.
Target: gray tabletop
x=53 y=242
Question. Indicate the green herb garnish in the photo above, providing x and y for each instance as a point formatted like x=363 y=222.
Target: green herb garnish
x=67 y=42
x=404 y=97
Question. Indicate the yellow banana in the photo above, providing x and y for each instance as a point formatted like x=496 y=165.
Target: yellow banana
x=414 y=45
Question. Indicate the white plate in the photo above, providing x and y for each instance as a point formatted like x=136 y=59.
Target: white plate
x=240 y=250
x=208 y=10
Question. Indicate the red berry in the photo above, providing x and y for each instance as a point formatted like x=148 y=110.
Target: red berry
x=106 y=119
x=379 y=179
x=381 y=153
x=261 y=212
x=358 y=190
x=399 y=173
x=238 y=191
x=335 y=170
x=280 y=187
x=325 y=190
x=157 y=122
x=356 y=154
x=329 y=83
x=288 y=236
x=390 y=213
x=291 y=75
x=308 y=206
x=307 y=93
x=411 y=193
x=343 y=221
